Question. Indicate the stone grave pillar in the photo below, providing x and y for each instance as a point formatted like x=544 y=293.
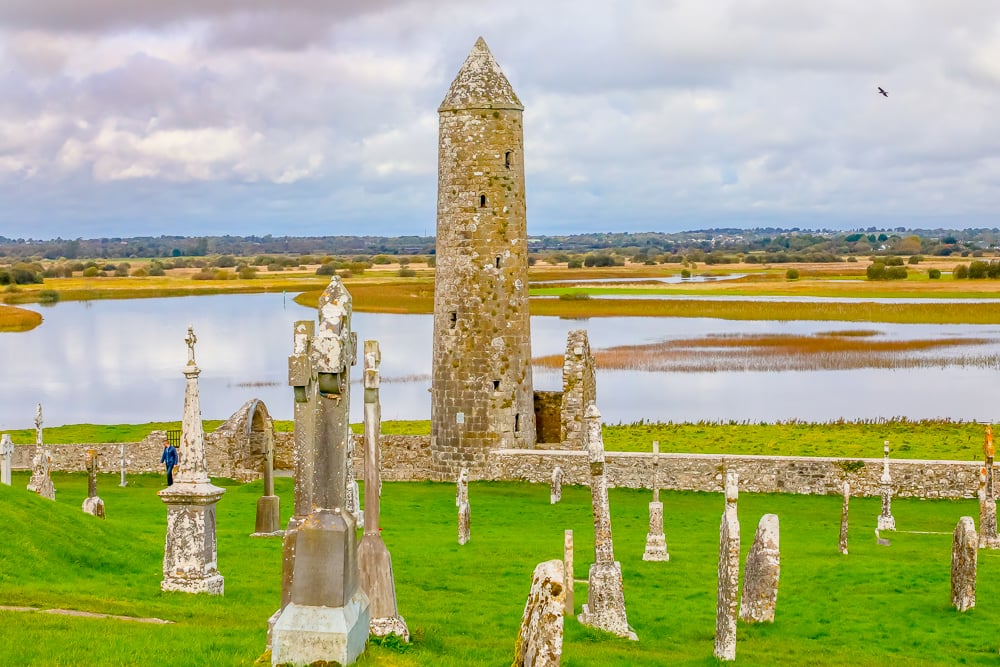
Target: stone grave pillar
x=568 y=569
x=268 y=521
x=6 y=458
x=555 y=486
x=760 y=577
x=656 y=541
x=729 y=574
x=464 y=511
x=123 y=482
x=190 y=558
x=988 y=455
x=843 y=518
x=327 y=615
x=41 y=481
x=885 y=520
x=540 y=640
x=374 y=559
x=605 y=607
x=988 y=538
x=92 y=504
x=964 y=559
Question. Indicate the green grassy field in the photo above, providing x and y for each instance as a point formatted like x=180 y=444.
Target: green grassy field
x=877 y=606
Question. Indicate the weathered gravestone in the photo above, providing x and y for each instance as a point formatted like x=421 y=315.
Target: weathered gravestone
x=885 y=520
x=539 y=642
x=462 y=502
x=988 y=453
x=964 y=556
x=729 y=574
x=374 y=560
x=988 y=538
x=41 y=482
x=6 y=458
x=760 y=577
x=124 y=462
x=843 y=518
x=268 y=520
x=190 y=556
x=92 y=504
x=605 y=607
x=326 y=616
x=568 y=569
x=555 y=486
x=656 y=541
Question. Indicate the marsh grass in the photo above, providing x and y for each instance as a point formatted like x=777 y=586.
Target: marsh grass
x=14 y=319
x=877 y=606
x=784 y=352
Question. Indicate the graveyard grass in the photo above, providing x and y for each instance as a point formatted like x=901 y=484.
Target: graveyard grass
x=877 y=606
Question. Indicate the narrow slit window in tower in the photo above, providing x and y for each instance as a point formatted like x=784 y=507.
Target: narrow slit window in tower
x=452 y=319
x=497 y=263
x=496 y=385
x=517 y=422
x=506 y=159
x=482 y=201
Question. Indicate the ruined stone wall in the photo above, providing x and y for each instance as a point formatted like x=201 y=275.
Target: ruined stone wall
x=579 y=387
x=548 y=419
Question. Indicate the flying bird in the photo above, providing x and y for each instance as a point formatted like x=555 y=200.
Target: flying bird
x=882 y=92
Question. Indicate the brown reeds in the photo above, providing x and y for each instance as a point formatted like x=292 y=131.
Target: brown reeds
x=18 y=319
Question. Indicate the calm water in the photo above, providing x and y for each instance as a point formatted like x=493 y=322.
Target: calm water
x=120 y=361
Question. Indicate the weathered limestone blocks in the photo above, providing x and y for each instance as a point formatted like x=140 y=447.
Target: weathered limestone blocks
x=462 y=502
x=760 y=577
x=6 y=458
x=885 y=520
x=988 y=538
x=555 y=487
x=729 y=574
x=92 y=504
x=568 y=570
x=579 y=388
x=605 y=608
x=964 y=558
x=539 y=642
x=656 y=541
x=843 y=518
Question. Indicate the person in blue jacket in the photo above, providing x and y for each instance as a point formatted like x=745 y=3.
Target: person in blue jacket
x=169 y=459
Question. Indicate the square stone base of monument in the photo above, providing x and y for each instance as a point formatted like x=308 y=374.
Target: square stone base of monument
x=886 y=522
x=303 y=634
x=268 y=517
x=605 y=608
x=656 y=548
x=94 y=506
x=213 y=584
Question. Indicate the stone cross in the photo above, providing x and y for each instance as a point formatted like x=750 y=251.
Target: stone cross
x=190 y=555
x=6 y=458
x=374 y=560
x=843 y=518
x=988 y=538
x=988 y=454
x=568 y=569
x=885 y=520
x=92 y=504
x=462 y=502
x=539 y=642
x=605 y=607
x=729 y=574
x=760 y=577
x=123 y=483
x=268 y=520
x=555 y=487
x=656 y=541
x=326 y=616
x=41 y=481
x=964 y=557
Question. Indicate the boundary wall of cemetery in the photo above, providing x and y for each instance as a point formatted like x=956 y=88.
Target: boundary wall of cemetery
x=408 y=458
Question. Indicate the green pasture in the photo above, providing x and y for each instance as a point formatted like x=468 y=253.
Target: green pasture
x=877 y=606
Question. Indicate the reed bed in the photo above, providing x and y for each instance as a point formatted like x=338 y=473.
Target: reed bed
x=18 y=319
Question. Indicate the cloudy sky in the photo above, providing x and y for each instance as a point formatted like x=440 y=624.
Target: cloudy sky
x=149 y=117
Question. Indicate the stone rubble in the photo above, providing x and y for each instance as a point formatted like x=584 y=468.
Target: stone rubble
x=540 y=639
x=760 y=576
x=964 y=558
x=729 y=574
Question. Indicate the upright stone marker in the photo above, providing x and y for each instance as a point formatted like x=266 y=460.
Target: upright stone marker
x=539 y=642
x=729 y=574
x=92 y=504
x=885 y=520
x=190 y=558
x=41 y=481
x=123 y=482
x=656 y=541
x=760 y=578
x=462 y=502
x=964 y=558
x=268 y=521
x=327 y=615
x=843 y=518
x=555 y=487
x=6 y=458
x=568 y=569
x=988 y=538
x=374 y=560
x=988 y=455
x=605 y=608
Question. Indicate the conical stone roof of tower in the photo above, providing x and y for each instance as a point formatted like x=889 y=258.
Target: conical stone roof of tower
x=480 y=84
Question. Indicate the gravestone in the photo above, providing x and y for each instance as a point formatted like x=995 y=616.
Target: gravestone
x=760 y=577
x=555 y=487
x=988 y=538
x=374 y=560
x=268 y=520
x=462 y=502
x=6 y=458
x=123 y=482
x=843 y=518
x=988 y=453
x=885 y=520
x=729 y=574
x=92 y=504
x=190 y=556
x=605 y=607
x=539 y=642
x=353 y=497
x=41 y=481
x=326 y=617
x=964 y=556
x=568 y=570
x=656 y=541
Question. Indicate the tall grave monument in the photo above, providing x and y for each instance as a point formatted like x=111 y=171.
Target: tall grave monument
x=327 y=614
x=190 y=557
x=6 y=458
x=93 y=504
x=481 y=388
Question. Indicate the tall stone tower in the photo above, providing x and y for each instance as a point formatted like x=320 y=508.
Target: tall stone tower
x=481 y=391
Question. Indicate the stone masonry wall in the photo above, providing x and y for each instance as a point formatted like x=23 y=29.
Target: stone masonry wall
x=579 y=387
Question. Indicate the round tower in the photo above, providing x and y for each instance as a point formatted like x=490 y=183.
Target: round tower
x=481 y=390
